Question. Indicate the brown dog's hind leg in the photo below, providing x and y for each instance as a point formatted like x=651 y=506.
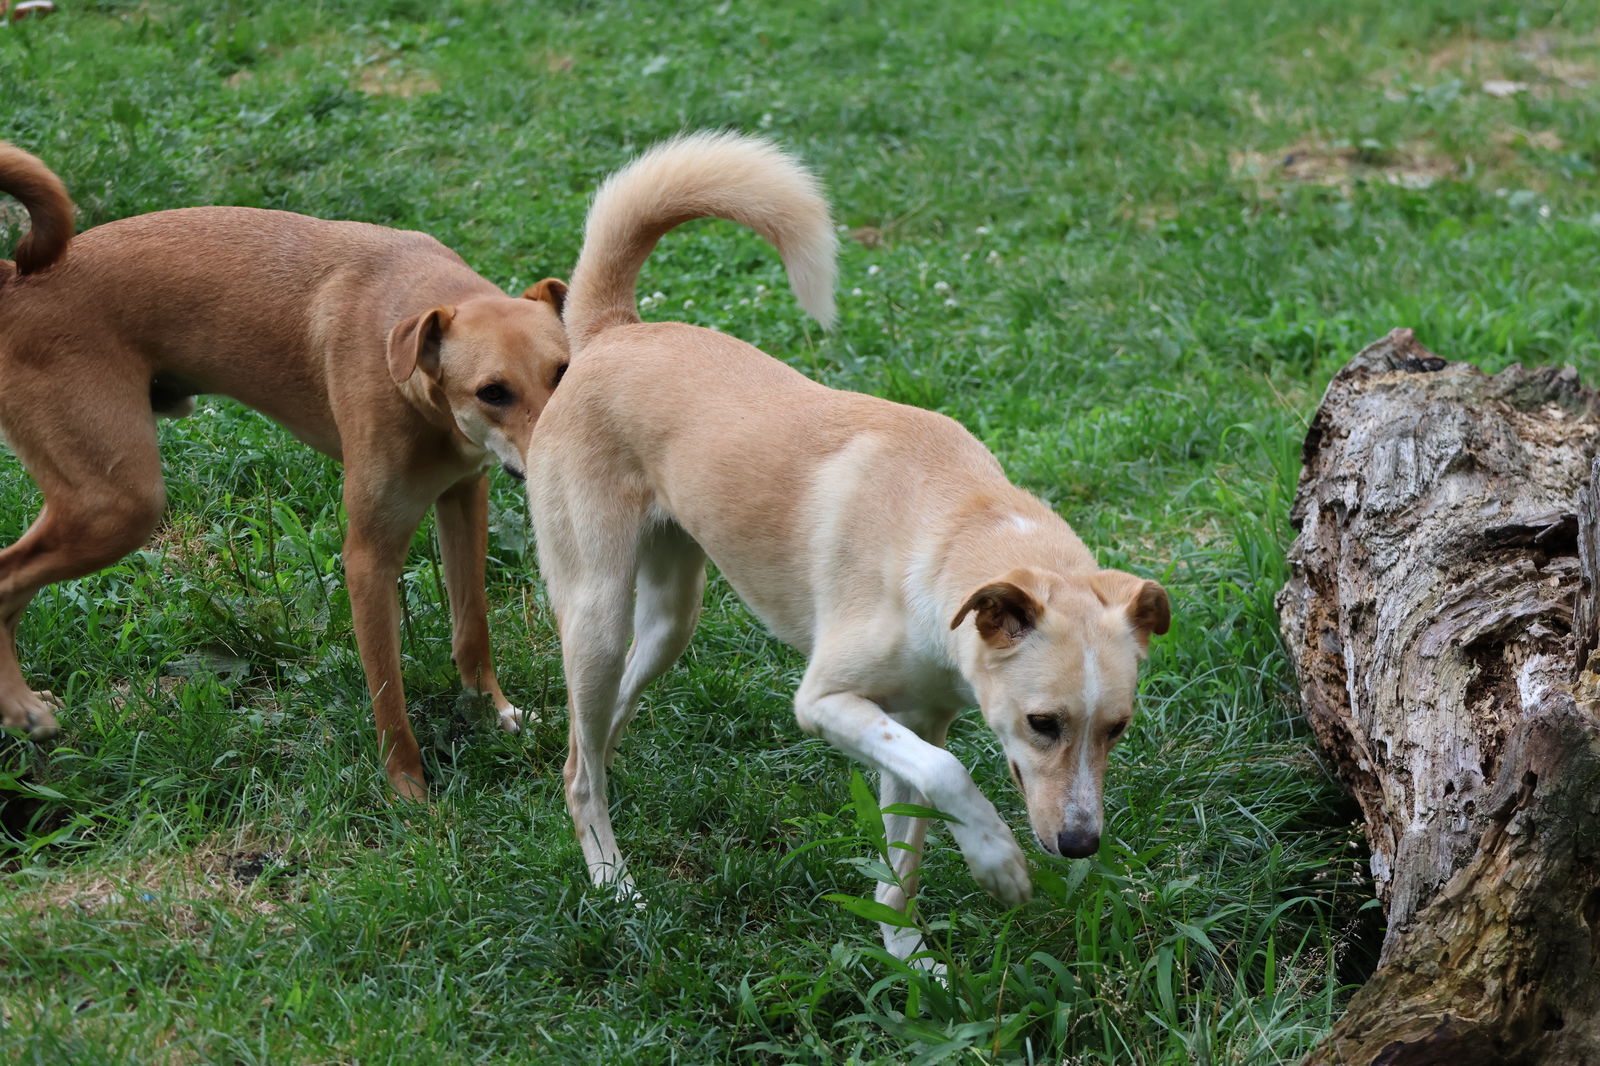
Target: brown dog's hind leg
x=463 y=523
x=103 y=498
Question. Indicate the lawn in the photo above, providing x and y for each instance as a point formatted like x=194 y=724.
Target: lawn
x=1126 y=243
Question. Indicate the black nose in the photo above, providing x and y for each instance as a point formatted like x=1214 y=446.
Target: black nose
x=1077 y=844
x=514 y=472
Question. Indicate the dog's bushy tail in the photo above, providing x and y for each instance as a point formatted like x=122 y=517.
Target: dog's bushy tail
x=699 y=175
x=49 y=208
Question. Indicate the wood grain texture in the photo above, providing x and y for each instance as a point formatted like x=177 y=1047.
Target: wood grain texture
x=1439 y=603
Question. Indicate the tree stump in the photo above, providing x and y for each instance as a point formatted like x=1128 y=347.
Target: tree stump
x=1442 y=616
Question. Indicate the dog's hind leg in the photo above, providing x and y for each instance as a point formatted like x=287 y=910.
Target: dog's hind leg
x=594 y=622
x=905 y=835
x=463 y=523
x=666 y=608
x=103 y=497
x=589 y=572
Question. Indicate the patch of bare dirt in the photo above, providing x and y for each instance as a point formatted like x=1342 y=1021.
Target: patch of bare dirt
x=1544 y=63
x=183 y=541
x=1543 y=140
x=166 y=685
x=177 y=894
x=1147 y=214
x=1415 y=165
x=381 y=79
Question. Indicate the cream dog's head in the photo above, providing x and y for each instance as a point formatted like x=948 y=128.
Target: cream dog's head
x=485 y=367
x=1054 y=664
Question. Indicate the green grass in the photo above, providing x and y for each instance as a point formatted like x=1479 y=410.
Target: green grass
x=1126 y=243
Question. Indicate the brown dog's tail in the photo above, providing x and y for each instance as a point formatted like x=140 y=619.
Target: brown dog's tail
x=699 y=175
x=49 y=208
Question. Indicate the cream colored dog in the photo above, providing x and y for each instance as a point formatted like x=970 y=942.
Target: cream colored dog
x=375 y=346
x=883 y=541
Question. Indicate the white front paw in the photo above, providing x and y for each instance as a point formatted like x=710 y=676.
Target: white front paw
x=510 y=718
x=621 y=885
x=997 y=863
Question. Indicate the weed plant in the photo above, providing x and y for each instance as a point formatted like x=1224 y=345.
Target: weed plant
x=1126 y=243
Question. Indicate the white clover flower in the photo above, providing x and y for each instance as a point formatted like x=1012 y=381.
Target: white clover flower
x=941 y=286
x=951 y=303
x=983 y=231
x=873 y=269
x=856 y=291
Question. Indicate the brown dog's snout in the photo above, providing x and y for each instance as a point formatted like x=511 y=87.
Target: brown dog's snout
x=1077 y=843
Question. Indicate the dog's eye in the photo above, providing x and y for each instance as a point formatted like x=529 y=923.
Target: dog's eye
x=561 y=372
x=495 y=394
x=1046 y=725
x=1117 y=730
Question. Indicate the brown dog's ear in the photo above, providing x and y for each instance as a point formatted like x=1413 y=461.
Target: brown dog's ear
x=415 y=342
x=1146 y=602
x=552 y=291
x=1004 y=613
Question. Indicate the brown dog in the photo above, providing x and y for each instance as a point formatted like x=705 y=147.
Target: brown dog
x=376 y=346
x=881 y=540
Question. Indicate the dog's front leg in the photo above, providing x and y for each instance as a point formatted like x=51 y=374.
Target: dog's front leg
x=374 y=556
x=861 y=729
x=463 y=513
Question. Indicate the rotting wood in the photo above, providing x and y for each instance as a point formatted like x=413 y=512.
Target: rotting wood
x=1441 y=595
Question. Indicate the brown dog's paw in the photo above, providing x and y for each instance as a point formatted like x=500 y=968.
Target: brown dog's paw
x=36 y=717
x=411 y=787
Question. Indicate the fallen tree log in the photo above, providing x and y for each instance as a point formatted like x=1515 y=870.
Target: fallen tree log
x=1442 y=617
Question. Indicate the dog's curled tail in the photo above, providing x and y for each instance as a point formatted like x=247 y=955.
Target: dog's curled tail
x=49 y=208
x=699 y=175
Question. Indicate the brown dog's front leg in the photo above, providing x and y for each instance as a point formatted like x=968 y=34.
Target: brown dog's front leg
x=374 y=555
x=463 y=513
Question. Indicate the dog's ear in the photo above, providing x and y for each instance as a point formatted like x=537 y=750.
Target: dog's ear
x=415 y=343
x=1003 y=611
x=552 y=291
x=1145 y=601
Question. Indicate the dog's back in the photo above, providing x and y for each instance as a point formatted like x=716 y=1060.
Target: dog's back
x=223 y=272
x=255 y=304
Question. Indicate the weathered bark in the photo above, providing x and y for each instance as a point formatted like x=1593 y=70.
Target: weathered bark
x=1440 y=603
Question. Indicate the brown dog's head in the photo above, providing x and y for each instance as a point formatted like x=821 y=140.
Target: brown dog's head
x=485 y=367
x=1054 y=665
